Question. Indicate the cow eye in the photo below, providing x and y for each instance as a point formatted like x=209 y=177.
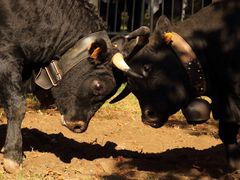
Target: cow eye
x=146 y=69
x=97 y=87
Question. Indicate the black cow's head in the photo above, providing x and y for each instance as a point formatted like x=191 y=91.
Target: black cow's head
x=164 y=88
x=83 y=90
x=88 y=83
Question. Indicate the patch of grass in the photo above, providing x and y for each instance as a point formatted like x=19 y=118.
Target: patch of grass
x=31 y=98
x=38 y=176
x=20 y=176
x=32 y=101
x=128 y=103
x=1 y=176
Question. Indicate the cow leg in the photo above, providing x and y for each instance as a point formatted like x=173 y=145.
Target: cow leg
x=12 y=98
x=228 y=134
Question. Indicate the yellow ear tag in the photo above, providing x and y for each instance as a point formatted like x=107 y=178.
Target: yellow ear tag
x=95 y=53
x=167 y=37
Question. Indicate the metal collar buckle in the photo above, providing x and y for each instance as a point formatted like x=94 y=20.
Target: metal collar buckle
x=49 y=76
x=54 y=73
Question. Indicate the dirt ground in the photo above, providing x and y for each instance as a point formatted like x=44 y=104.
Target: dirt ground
x=117 y=145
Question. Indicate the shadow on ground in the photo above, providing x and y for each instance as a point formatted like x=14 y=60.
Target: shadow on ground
x=211 y=161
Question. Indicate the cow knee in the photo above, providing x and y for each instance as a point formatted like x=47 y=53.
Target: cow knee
x=16 y=112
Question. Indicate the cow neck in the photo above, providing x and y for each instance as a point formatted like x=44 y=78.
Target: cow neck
x=52 y=74
x=189 y=61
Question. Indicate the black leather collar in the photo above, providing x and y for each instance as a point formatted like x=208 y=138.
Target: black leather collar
x=196 y=77
x=50 y=75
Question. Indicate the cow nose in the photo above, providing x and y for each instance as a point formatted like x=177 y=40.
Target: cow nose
x=153 y=118
x=79 y=127
x=75 y=126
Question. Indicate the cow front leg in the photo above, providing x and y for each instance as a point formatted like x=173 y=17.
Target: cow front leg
x=12 y=98
x=228 y=134
x=13 y=143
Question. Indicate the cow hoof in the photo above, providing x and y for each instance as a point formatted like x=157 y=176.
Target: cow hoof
x=11 y=166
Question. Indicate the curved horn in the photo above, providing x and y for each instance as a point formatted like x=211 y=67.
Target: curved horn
x=125 y=92
x=119 y=63
x=142 y=31
x=141 y=34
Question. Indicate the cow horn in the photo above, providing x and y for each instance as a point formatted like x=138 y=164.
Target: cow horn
x=142 y=31
x=125 y=92
x=119 y=63
x=141 y=34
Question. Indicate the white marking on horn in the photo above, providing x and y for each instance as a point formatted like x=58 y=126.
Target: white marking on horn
x=137 y=40
x=119 y=62
x=63 y=122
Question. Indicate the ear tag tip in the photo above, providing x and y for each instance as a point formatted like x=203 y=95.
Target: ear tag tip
x=95 y=53
x=167 y=37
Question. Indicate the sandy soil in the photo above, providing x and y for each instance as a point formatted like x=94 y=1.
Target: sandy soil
x=117 y=145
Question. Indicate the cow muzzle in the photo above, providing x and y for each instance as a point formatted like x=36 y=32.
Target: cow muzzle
x=152 y=119
x=75 y=126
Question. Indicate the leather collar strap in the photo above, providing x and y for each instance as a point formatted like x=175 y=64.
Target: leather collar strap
x=189 y=60
x=50 y=75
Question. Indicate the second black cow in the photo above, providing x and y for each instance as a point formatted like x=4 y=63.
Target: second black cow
x=182 y=62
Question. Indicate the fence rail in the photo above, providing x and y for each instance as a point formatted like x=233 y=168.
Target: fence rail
x=123 y=16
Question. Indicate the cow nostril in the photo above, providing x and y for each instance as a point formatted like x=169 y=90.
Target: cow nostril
x=77 y=126
x=77 y=129
x=149 y=113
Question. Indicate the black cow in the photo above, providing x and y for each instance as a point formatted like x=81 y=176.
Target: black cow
x=67 y=41
x=200 y=56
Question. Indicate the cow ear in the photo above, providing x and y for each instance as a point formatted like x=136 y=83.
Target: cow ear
x=131 y=43
x=119 y=42
x=98 y=51
x=163 y=25
x=124 y=45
